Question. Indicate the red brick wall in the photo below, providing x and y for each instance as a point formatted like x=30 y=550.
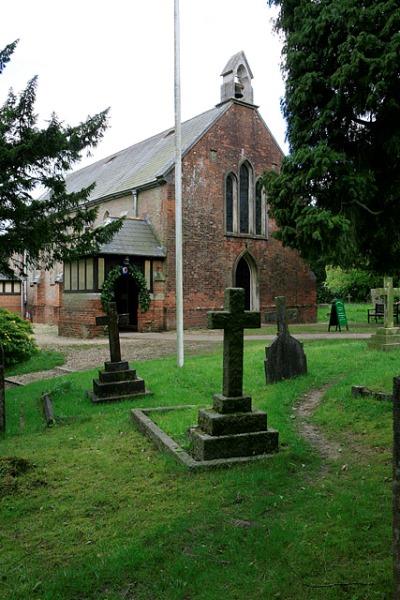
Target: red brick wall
x=44 y=299
x=78 y=315
x=210 y=255
x=11 y=302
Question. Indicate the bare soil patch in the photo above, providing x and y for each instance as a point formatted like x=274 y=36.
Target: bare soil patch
x=309 y=403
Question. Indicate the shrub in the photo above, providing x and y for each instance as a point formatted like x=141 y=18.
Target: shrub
x=355 y=282
x=16 y=337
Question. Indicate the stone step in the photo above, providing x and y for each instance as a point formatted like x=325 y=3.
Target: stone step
x=122 y=365
x=118 y=388
x=207 y=447
x=109 y=377
x=214 y=423
x=97 y=400
x=225 y=405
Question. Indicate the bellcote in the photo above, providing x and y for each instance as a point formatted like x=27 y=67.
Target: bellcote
x=237 y=76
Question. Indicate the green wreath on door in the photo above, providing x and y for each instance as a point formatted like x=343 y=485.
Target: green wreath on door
x=108 y=289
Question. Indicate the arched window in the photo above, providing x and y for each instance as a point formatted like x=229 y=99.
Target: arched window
x=244 y=197
x=258 y=220
x=229 y=195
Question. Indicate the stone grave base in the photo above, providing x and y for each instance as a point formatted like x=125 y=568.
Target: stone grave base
x=140 y=417
x=117 y=382
x=387 y=338
x=231 y=429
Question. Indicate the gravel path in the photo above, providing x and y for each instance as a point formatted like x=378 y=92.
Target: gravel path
x=82 y=354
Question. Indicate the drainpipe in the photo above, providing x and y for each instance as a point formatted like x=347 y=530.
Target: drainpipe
x=24 y=284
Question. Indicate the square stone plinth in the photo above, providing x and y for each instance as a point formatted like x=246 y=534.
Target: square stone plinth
x=236 y=404
x=387 y=338
x=214 y=423
x=207 y=447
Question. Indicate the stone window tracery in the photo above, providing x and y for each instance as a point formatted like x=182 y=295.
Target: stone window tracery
x=245 y=204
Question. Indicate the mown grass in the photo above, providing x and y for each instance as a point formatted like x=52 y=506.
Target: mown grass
x=103 y=515
x=42 y=360
x=356 y=317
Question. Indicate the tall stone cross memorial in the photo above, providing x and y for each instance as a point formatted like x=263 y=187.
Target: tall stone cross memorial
x=285 y=357
x=231 y=429
x=388 y=337
x=117 y=381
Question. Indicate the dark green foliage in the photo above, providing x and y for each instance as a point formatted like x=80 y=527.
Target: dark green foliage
x=337 y=196
x=57 y=226
x=16 y=337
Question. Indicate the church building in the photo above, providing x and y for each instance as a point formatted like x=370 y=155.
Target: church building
x=227 y=231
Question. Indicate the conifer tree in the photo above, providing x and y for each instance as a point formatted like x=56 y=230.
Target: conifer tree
x=58 y=225
x=337 y=196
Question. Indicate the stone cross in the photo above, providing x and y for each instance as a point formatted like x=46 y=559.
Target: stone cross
x=113 y=320
x=281 y=315
x=233 y=320
x=388 y=292
x=2 y=393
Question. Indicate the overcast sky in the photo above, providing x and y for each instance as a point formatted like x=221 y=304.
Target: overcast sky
x=91 y=54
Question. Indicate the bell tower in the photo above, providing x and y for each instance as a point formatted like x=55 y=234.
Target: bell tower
x=237 y=76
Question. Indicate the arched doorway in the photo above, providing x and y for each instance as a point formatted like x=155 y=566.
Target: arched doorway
x=127 y=299
x=245 y=276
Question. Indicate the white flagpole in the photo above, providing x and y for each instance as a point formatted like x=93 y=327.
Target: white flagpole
x=178 y=194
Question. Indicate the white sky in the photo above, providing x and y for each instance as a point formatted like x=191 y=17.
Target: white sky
x=90 y=54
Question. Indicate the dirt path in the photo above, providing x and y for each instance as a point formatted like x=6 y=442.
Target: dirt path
x=305 y=409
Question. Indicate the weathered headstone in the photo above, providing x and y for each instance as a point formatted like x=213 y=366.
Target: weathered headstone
x=2 y=393
x=388 y=336
x=117 y=381
x=285 y=358
x=48 y=410
x=231 y=428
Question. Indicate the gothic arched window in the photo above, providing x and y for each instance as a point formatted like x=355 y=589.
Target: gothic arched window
x=244 y=198
x=258 y=209
x=230 y=199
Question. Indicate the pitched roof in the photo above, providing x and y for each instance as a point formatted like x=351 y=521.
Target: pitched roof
x=4 y=277
x=143 y=163
x=135 y=238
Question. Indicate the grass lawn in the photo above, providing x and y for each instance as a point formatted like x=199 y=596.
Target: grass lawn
x=43 y=360
x=103 y=515
x=356 y=318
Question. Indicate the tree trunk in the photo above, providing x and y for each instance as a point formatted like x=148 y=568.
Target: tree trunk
x=2 y=393
x=396 y=487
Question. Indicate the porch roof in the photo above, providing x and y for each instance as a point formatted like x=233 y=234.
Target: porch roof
x=135 y=238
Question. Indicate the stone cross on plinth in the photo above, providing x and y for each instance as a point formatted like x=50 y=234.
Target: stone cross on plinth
x=388 y=292
x=281 y=315
x=113 y=320
x=117 y=381
x=231 y=430
x=388 y=337
x=233 y=320
x=285 y=358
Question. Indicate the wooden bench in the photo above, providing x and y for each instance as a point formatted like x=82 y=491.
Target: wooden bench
x=379 y=312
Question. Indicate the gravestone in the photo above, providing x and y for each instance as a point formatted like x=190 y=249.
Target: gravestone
x=231 y=428
x=117 y=381
x=2 y=393
x=388 y=336
x=285 y=357
x=48 y=410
